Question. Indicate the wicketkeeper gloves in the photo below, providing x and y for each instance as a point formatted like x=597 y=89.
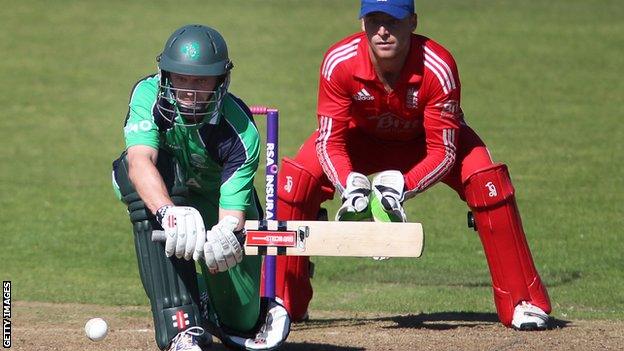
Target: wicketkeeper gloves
x=355 y=202
x=387 y=199
x=385 y=203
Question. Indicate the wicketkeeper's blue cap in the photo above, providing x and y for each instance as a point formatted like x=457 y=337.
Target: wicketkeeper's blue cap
x=395 y=8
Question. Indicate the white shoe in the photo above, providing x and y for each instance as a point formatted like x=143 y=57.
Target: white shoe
x=529 y=317
x=186 y=340
x=271 y=335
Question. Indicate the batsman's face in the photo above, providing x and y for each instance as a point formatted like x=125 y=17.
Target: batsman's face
x=388 y=37
x=193 y=90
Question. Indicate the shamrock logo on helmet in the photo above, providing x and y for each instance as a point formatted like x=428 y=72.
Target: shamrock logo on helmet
x=191 y=50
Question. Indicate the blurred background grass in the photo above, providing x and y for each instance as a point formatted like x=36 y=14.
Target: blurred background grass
x=541 y=84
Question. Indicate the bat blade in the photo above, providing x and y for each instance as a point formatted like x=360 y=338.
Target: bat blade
x=346 y=239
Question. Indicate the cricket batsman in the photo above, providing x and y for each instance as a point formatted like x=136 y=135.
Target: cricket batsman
x=191 y=154
x=389 y=104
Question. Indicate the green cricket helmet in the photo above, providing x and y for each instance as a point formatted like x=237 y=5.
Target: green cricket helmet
x=193 y=50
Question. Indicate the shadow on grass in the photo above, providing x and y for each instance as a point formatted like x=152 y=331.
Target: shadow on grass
x=317 y=347
x=453 y=320
x=294 y=346
x=433 y=321
x=442 y=320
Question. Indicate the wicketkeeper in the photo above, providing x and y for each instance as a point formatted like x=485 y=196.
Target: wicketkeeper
x=191 y=155
x=389 y=103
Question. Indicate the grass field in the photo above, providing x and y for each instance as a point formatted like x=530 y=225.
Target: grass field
x=541 y=85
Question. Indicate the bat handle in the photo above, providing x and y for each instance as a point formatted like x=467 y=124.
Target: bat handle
x=158 y=236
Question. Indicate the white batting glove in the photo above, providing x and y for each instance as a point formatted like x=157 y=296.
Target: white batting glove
x=388 y=189
x=184 y=230
x=355 y=198
x=222 y=250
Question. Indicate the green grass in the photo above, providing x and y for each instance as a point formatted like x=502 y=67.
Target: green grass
x=540 y=85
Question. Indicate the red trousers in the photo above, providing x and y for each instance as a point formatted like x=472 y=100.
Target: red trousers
x=369 y=156
x=511 y=265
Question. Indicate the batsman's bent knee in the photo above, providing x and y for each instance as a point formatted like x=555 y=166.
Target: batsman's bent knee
x=491 y=197
x=234 y=295
x=170 y=283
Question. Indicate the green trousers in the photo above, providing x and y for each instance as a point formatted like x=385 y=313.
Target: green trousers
x=234 y=294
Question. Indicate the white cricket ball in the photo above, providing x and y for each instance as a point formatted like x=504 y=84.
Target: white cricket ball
x=96 y=329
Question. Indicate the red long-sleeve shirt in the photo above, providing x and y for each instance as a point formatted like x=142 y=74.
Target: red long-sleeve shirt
x=425 y=103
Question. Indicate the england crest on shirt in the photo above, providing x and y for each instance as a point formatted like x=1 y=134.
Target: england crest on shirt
x=450 y=109
x=411 y=100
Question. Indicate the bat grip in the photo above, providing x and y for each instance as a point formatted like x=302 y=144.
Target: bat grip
x=158 y=236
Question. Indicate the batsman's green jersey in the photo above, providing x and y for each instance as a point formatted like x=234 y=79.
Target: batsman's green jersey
x=217 y=161
x=218 y=158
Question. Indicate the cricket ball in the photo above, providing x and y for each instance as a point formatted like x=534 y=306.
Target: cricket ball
x=96 y=329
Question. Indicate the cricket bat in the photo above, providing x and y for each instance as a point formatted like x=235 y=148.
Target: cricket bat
x=330 y=238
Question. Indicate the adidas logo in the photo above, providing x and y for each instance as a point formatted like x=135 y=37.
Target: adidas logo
x=363 y=95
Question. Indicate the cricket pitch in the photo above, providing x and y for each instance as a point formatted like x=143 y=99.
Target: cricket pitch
x=50 y=326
